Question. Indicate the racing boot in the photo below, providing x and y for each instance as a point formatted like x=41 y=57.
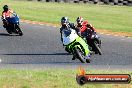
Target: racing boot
x=73 y=58
x=4 y=23
x=88 y=58
x=4 y=26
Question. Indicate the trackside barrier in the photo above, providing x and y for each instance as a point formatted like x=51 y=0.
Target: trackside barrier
x=110 y=2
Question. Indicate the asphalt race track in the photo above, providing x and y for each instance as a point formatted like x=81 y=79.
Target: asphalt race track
x=40 y=47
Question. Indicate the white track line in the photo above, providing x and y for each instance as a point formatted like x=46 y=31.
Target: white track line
x=0 y=60
x=41 y=24
x=116 y=35
x=101 y=33
x=108 y=34
x=55 y=26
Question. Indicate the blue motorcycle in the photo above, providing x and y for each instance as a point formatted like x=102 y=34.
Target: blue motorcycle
x=13 y=25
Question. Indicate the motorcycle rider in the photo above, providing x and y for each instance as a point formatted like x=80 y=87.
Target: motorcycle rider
x=86 y=29
x=65 y=24
x=6 y=14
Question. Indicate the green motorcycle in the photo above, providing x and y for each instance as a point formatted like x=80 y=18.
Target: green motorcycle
x=75 y=45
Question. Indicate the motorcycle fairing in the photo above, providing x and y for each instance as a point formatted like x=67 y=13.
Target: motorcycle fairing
x=69 y=36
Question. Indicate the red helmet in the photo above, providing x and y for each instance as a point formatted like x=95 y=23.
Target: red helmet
x=79 y=20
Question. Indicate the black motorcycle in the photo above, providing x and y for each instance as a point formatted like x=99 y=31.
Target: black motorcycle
x=94 y=42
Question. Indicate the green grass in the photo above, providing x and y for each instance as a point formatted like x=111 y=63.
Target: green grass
x=115 y=18
x=51 y=78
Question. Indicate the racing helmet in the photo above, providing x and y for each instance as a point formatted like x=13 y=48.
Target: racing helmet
x=5 y=7
x=79 y=20
x=64 y=21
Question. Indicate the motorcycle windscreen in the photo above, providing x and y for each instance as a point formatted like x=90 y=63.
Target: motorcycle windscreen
x=14 y=19
x=66 y=32
x=69 y=36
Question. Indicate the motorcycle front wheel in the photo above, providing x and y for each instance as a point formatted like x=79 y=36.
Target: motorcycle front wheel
x=97 y=47
x=19 y=30
x=80 y=55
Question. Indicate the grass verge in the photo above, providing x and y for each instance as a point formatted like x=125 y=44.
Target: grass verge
x=112 y=18
x=52 y=78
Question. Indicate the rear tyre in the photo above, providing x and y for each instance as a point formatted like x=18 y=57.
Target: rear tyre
x=80 y=55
